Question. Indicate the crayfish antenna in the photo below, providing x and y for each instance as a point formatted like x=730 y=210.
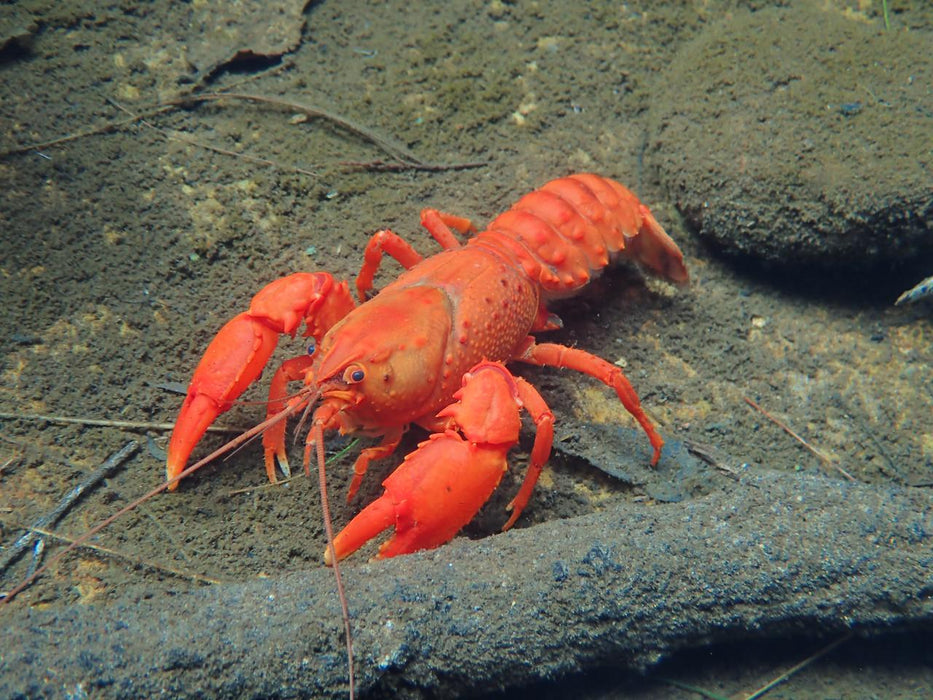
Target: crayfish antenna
x=299 y=429
x=316 y=438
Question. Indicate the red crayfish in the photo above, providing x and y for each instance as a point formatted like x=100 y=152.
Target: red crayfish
x=430 y=349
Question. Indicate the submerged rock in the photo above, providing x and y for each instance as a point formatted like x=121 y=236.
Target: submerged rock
x=767 y=557
x=801 y=136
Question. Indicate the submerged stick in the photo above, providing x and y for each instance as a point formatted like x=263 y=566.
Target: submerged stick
x=93 y=131
x=135 y=561
x=406 y=159
x=775 y=556
x=799 y=666
x=244 y=437
x=209 y=147
x=825 y=459
x=115 y=461
x=390 y=146
x=120 y=123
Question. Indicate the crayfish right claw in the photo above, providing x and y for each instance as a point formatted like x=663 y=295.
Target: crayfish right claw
x=429 y=498
x=377 y=517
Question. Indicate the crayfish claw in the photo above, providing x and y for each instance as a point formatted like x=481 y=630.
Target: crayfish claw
x=372 y=520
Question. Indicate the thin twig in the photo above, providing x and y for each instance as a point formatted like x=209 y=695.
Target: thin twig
x=147 y=563
x=396 y=150
x=119 y=124
x=797 y=667
x=709 y=695
x=708 y=454
x=12 y=461
x=101 y=422
x=406 y=159
x=36 y=556
x=115 y=461
x=385 y=167
x=209 y=147
x=94 y=131
x=923 y=288
x=822 y=456
x=268 y=423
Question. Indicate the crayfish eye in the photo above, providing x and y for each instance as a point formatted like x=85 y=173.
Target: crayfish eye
x=354 y=375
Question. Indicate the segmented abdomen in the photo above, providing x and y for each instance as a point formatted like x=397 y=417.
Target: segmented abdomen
x=573 y=227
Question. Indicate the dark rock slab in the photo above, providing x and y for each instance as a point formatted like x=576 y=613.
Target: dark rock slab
x=223 y=32
x=17 y=27
x=773 y=555
x=801 y=136
x=624 y=454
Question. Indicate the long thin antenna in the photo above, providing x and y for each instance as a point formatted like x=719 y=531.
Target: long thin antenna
x=317 y=437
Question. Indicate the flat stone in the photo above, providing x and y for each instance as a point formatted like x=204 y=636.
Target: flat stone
x=223 y=32
x=767 y=557
x=801 y=136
